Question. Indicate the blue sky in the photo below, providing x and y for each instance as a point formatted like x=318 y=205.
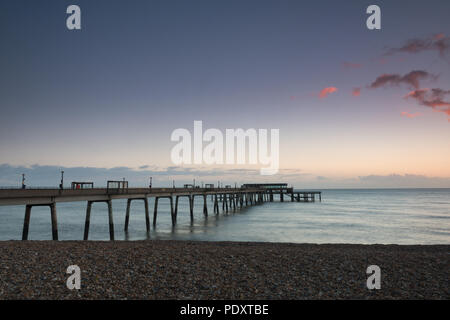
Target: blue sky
x=111 y=94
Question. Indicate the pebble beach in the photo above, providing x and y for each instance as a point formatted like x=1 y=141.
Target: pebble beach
x=221 y=270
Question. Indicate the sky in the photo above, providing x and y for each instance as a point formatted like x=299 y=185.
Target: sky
x=354 y=107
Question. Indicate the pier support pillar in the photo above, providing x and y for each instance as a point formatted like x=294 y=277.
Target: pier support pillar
x=205 y=205
x=26 y=222
x=172 y=212
x=191 y=207
x=225 y=200
x=54 y=222
x=155 y=211
x=88 y=219
x=127 y=215
x=176 y=206
x=111 y=222
x=216 y=205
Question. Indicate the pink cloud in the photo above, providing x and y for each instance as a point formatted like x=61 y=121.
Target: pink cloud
x=411 y=79
x=326 y=91
x=410 y=115
x=438 y=42
x=352 y=65
x=432 y=98
x=356 y=92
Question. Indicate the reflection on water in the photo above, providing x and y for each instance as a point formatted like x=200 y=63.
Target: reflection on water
x=400 y=216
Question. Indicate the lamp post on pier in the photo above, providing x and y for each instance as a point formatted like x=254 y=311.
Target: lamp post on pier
x=61 y=185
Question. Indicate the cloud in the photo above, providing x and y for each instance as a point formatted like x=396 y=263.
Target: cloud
x=356 y=92
x=438 y=42
x=326 y=91
x=433 y=98
x=411 y=79
x=404 y=181
x=351 y=65
x=410 y=115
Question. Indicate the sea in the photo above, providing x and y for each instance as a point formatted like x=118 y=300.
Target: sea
x=369 y=216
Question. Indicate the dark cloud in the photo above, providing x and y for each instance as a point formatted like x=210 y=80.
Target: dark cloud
x=438 y=42
x=433 y=98
x=411 y=79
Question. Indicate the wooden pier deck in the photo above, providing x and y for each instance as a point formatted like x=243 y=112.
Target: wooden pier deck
x=230 y=198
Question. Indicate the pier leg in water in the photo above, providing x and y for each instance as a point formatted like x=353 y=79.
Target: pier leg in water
x=155 y=212
x=205 y=205
x=172 y=212
x=225 y=200
x=88 y=220
x=127 y=215
x=216 y=205
x=176 y=206
x=223 y=203
x=54 y=222
x=191 y=207
x=111 y=222
x=26 y=222
x=147 y=215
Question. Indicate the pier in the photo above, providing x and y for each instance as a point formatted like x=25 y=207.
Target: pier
x=231 y=199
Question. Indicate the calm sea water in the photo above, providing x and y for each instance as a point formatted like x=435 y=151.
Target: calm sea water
x=401 y=216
